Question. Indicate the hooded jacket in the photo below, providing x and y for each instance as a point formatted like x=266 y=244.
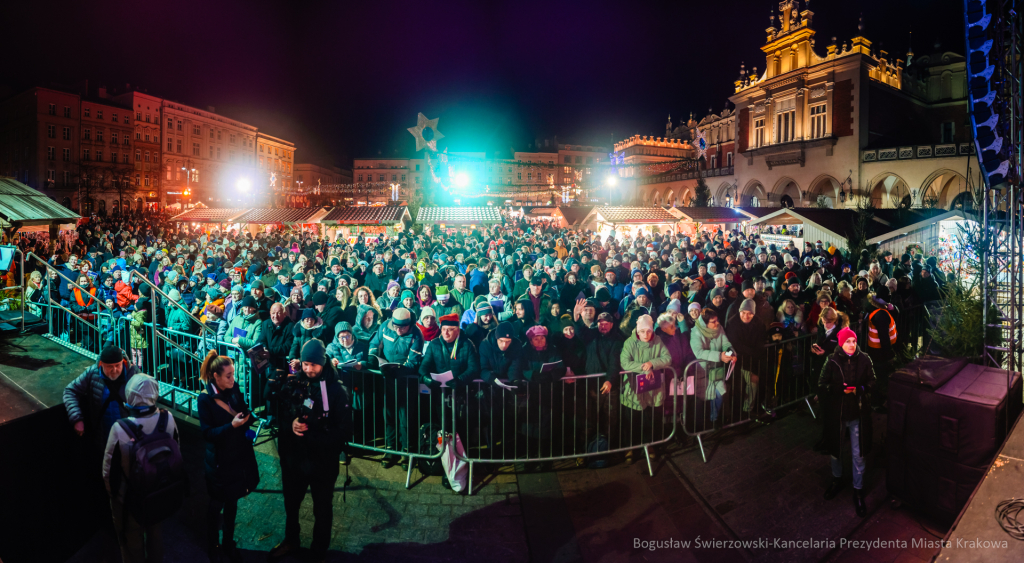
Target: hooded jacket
x=635 y=353
x=841 y=371
x=364 y=335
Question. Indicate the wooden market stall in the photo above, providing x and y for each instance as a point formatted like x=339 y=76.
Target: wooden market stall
x=305 y=219
x=350 y=222
x=214 y=218
x=696 y=220
x=452 y=219
x=621 y=220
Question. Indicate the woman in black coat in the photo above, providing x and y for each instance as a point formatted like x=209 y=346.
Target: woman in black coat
x=844 y=389
x=231 y=470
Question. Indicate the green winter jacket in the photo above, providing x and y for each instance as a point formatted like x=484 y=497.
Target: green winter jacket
x=252 y=326
x=709 y=347
x=635 y=353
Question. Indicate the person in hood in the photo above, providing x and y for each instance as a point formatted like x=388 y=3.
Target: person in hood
x=482 y=324
x=231 y=470
x=137 y=542
x=367 y=323
x=310 y=326
x=844 y=388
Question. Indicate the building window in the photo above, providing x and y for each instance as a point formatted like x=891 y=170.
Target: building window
x=53 y=109
x=785 y=121
x=67 y=111
x=145 y=180
x=818 y=121
x=261 y=147
x=579 y=160
x=195 y=149
x=231 y=139
x=170 y=123
x=758 y=133
x=87 y=111
x=67 y=178
x=178 y=146
x=519 y=175
x=728 y=157
x=113 y=157
x=947 y=131
x=567 y=159
x=218 y=134
x=124 y=158
x=138 y=116
x=403 y=177
x=66 y=134
x=380 y=178
x=360 y=178
x=167 y=171
x=126 y=138
x=195 y=130
x=99 y=135
x=211 y=151
x=138 y=177
x=85 y=154
x=417 y=167
x=218 y=153
x=99 y=114
x=66 y=157
x=51 y=176
x=529 y=176
x=394 y=177
x=99 y=156
x=126 y=119
x=714 y=161
x=51 y=153
x=138 y=136
x=590 y=160
x=51 y=131
x=88 y=134
x=211 y=133
x=113 y=118
x=180 y=126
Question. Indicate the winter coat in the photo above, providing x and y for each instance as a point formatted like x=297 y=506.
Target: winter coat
x=460 y=357
x=117 y=454
x=748 y=340
x=495 y=364
x=840 y=371
x=278 y=341
x=252 y=327
x=678 y=345
x=604 y=354
x=533 y=360
x=301 y=335
x=709 y=350
x=83 y=398
x=404 y=350
x=230 y=462
x=635 y=353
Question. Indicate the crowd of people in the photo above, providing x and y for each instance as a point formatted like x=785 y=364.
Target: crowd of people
x=513 y=304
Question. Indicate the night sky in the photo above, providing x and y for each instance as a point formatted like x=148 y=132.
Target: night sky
x=345 y=79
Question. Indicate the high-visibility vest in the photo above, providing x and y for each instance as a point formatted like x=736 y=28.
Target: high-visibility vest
x=873 y=340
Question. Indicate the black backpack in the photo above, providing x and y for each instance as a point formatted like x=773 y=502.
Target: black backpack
x=428 y=445
x=157 y=483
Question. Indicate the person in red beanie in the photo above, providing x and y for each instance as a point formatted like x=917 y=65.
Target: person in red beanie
x=844 y=389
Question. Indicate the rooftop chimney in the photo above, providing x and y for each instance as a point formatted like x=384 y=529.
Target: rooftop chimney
x=101 y=92
x=211 y=109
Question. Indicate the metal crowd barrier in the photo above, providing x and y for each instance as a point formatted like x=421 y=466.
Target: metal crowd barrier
x=385 y=406
x=716 y=398
x=559 y=420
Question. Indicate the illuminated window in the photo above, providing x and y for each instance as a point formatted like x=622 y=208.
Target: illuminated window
x=758 y=133
x=818 y=121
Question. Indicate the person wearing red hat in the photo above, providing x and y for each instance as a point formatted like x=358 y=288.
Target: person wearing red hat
x=844 y=389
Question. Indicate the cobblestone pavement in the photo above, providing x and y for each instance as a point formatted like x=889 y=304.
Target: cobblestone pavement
x=760 y=482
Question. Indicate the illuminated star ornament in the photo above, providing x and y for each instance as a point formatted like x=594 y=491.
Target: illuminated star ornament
x=426 y=133
x=700 y=142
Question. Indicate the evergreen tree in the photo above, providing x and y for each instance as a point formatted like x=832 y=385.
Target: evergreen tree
x=701 y=192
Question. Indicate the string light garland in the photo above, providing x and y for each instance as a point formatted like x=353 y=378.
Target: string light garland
x=373 y=188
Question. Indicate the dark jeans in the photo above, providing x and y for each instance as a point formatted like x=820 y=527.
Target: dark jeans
x=319 y=478
x=213 y=512
x=400 y=395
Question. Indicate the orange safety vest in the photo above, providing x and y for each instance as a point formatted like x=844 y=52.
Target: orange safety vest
x=873 y=340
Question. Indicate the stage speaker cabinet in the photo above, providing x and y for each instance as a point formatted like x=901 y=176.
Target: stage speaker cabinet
x=947 y=420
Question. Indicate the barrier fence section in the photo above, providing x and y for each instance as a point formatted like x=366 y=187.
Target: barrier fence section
x=562 y=419
x=718 y=395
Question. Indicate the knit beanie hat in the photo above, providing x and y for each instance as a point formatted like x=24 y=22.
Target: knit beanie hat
x=408 y=294
x=748 y=284
x=675 y=306
x=566 y=321
x=111 y=355
x=846 y=334
x=484 y=307
x=442 y=290
x=504 y=330
x=693 y=306
x=308 y=314
x=748 y=305
x=313 y=352
x=401 y=317
x=174 y=295
x=427 y=312
x=536 y=330
x=645 y=322
x=451 y=319
x=602 y=295
x=319 y=298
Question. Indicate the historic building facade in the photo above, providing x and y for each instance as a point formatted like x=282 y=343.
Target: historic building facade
x=853 y=124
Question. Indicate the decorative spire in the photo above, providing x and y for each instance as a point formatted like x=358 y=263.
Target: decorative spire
x=910 y=49
x=860 y=24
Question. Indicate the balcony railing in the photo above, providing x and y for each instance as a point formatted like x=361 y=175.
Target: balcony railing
x=918 y=151
x=691 y=175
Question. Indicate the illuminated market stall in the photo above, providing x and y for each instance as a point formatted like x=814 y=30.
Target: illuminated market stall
x=304 y=220
x=452 y=219
x=350 y=222
x=606 y=220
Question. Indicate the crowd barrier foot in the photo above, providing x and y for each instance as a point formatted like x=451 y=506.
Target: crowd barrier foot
x=408 y=473
x=647 y=456
x=809 y=407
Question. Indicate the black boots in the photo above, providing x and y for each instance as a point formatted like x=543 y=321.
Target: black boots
x=858 y=502
x=834 y=488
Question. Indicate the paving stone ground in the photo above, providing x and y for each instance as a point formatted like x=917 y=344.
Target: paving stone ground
x=760 y=482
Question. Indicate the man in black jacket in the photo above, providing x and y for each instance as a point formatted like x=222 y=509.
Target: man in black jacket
x=746 y=333
x=452 y=352
x=310 y=445
x=276 y=338
x=601 y=394
x=95 y=400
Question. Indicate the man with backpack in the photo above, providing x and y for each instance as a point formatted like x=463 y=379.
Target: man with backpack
x=143 y=472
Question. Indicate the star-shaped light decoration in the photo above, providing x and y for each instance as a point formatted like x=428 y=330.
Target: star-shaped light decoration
x=700 y=142
x=426 y=133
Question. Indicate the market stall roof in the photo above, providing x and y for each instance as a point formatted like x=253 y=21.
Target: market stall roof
x=543 y=212
x=459 y=215
x=364 y=215
x=574 y=215
x=921 y=221
x=287 y=216
x=712 y=214
x=634 y=215
x=19 y=202
x=840 y=223
x=211 y=215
